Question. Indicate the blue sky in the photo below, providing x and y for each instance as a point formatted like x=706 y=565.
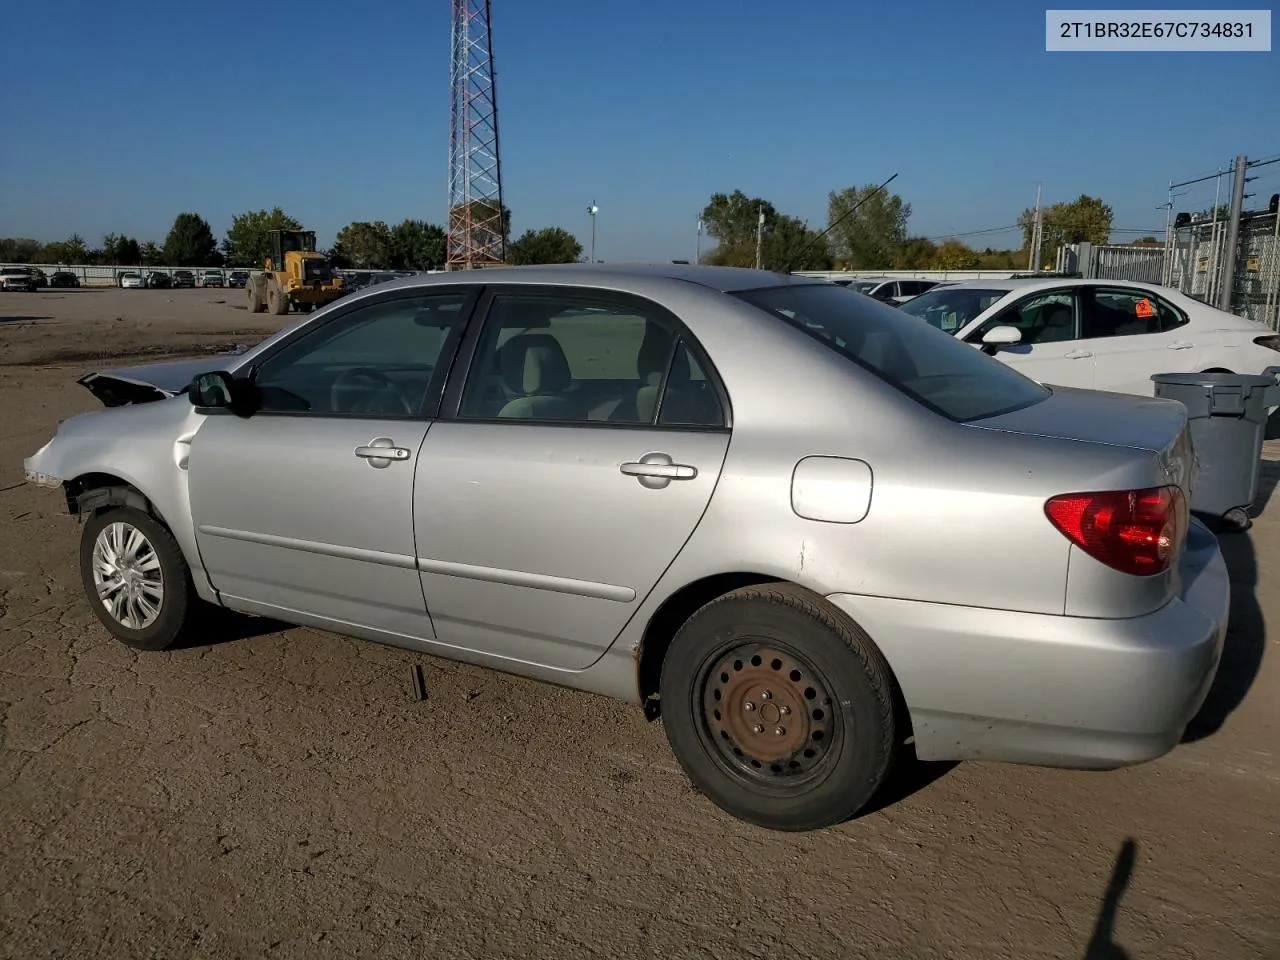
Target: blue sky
x=139 y=109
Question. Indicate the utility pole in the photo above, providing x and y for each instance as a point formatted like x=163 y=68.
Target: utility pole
x=1034 y=253
x=1225 y=295
x=697 y=256
x=759 y=235
x=592 y=211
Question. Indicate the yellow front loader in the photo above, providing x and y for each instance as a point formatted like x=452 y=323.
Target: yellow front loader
x=295 y=275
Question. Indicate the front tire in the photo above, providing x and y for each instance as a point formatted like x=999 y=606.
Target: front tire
x=779 y=708
x=136 y=578
x=277 y=300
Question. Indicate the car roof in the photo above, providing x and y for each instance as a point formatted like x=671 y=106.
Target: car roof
x=1045 y=283
x=618 y=275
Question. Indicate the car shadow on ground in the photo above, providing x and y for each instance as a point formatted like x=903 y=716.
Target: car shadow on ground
x=1102 y=942
x=220 y=626
x=22 y=319
x=909 y=776
x=1245 y=642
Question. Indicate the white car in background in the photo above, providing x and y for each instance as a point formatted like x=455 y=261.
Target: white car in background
x=1098 y=334
x=132 y=281
x=887 y=289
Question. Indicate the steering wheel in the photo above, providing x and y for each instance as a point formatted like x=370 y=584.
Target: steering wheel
x=379 y=394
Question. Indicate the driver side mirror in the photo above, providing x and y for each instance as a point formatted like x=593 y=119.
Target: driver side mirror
x=218 y=390
x=1001 y=336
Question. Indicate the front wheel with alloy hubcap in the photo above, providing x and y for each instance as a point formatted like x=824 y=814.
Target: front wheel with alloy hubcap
x=135 y=578
x=779 y=708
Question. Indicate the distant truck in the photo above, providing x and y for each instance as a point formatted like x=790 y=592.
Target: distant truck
x=295 y=276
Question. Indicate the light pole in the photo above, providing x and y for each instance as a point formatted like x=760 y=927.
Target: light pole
x=593 y=210
x=697 y=259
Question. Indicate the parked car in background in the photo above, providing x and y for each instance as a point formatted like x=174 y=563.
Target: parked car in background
x=572 y=409
x=38 y=278
x=63 y=278
x=1098 y=334
x=159 y=280
x=887 y=289
x=130 y=280
x=184 y=278
x=211 y=278
x=237 y=278
x=16 y=278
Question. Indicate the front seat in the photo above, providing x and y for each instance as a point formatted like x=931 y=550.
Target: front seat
x=1059 y=324
x=536 y=371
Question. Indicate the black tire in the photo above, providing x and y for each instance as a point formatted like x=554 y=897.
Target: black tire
x=256 y=304
x=178 y=598
x=277 y=300
x=792 y=650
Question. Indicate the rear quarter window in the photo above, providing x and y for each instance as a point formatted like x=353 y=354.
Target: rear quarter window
x=930 y=366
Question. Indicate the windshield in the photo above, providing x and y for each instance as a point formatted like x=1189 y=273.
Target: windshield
x=316 y=268
x=951 y=308
x=945 y=375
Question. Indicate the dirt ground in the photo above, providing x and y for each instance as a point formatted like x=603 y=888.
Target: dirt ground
x=281 y=794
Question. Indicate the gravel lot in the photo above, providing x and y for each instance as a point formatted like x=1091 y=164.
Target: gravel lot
x=279 y=793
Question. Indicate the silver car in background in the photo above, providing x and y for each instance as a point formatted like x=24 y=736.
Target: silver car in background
x=796 y=527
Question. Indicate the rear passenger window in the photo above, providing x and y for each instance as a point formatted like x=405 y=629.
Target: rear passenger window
x=1125 y=313
x=574 y=360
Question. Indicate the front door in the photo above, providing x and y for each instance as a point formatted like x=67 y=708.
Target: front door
x=1051 y=350
x=307 y=505
x=586 y=443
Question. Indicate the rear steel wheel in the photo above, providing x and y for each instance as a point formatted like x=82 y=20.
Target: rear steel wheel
x=768 y=713
x=779 y=708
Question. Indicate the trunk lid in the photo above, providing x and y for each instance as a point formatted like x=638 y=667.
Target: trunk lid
x=1153 y=425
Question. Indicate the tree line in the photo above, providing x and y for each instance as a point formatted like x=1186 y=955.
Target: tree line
x=407 y=245
x=866 y=229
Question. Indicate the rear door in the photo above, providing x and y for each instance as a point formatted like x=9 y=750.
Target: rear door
x=1051 y=350
x=1134 y=334
x=570 y=465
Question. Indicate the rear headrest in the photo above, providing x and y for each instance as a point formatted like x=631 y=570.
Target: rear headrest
x=655 y=350
x=534 y=363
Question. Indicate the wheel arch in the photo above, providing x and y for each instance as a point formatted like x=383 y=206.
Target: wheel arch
x=92 y=492
x=683 y=603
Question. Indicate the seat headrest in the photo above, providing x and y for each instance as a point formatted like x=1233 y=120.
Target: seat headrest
x=534 y=363
x=655 y=350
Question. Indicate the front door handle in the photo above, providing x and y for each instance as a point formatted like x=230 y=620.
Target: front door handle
x=656 y=470
x=1181 y=345
x=381 y=452
x=1078 y=355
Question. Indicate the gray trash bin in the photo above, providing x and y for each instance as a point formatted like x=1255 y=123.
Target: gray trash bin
x=1228 y=420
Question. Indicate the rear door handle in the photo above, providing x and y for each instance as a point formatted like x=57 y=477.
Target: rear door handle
x=381 y=452
x=1181 y=345
x=656 y=470
x=1078 y=355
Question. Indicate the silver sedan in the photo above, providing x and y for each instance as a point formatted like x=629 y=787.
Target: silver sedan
x=807 y=534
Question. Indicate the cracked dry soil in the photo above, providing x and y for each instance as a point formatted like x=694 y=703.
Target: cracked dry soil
x=279 y=793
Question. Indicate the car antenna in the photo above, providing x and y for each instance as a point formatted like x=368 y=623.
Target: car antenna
x=832 y=225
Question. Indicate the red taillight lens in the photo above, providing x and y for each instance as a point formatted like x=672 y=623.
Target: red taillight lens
x=1133 y=531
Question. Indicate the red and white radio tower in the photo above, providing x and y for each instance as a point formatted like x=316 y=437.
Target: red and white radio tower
x=477 y=235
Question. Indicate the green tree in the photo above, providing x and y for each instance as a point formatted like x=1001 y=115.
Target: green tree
x=732 y=220
x=916 y=253
x=417 y=245
x=68 y=251
x=190 y=242
x=247 y=243
x=366 y=245
x=548 y=245
x=119 y=250
x=788 y=244
x=955 y=255
x=870 y=238
x=1084 y=220
x=152 y=255
x=20 y=250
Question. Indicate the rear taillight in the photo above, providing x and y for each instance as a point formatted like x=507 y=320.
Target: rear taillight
x=1133 y=531
x=1271 y=342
